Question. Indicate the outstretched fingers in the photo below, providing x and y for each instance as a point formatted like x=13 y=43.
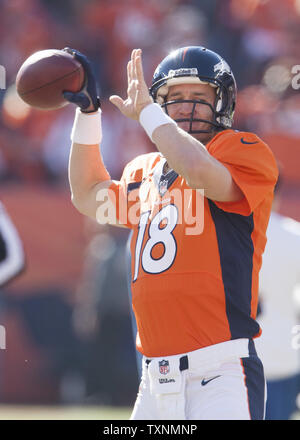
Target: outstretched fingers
x=117 y=101
x=129 y=72
x=137 y=92
x=133 y=61
x=139 y=67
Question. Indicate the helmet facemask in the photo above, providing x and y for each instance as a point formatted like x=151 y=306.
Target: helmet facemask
x=217 y=119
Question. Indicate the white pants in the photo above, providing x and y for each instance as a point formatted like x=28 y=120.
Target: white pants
x=220 y=382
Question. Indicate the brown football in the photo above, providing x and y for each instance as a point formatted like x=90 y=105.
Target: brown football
x=44 y=76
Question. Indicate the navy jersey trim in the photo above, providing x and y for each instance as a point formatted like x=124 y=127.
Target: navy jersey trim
x=169 y=177
x=133 y=185
x=255 y=384
x=236 y=258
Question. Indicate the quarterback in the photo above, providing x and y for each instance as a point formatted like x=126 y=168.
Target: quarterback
x=194 y=294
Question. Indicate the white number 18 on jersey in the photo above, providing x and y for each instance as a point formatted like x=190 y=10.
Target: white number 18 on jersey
x=156 y=235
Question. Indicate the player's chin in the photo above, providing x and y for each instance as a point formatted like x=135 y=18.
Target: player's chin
x=184 y=125
x=204 y=138
x=202 y=132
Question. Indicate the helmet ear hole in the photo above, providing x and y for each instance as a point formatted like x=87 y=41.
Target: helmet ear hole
x=161 y=94
x=160 y=100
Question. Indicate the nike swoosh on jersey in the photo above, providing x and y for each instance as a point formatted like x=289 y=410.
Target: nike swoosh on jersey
x=205 y=382
x=246 y=142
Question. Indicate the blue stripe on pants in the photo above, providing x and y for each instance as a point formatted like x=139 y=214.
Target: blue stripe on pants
x=255 y=383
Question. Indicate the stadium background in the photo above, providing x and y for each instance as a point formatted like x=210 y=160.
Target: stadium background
x=67 y=316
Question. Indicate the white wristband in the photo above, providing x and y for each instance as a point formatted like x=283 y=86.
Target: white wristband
x=152 y=116
x=87 y=129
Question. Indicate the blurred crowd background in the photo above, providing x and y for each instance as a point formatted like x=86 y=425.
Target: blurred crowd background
x=67 y=316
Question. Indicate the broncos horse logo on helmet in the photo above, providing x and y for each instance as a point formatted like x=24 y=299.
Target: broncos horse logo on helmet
x=197 y=65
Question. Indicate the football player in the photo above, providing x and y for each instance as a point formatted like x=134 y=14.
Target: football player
x=199 y=209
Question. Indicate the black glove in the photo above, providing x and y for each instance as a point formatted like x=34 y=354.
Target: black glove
x=87 y=99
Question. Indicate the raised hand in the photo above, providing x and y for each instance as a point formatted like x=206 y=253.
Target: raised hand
x=87 y=99
x=138 y=95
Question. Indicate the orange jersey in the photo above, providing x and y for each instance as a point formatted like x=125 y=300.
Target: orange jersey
x=195 y=261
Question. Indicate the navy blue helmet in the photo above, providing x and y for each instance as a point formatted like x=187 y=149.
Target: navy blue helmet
x=197 y=65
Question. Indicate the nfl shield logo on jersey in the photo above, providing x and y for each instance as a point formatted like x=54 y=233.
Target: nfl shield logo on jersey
x=164 y=367
x=163 y=186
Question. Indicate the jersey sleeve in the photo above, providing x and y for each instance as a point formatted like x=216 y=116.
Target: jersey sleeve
x=125 y=192
x=252 y=166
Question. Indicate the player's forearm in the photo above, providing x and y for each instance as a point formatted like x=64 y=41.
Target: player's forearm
x=86 y=167
x=190 y=159
x=86 y=171
x=187 y=156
